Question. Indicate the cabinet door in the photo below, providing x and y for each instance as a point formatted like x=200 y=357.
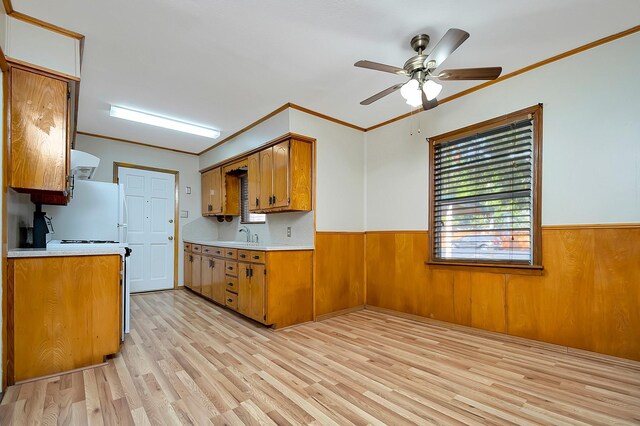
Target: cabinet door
x=206 y=193
x=257 y=288
x=281 y=175
x=253 y=181
x=219 y=281
x=39 y=110
x=196 y=281
x=188 y=258
x=206 y=276
x=216 y=191
x=244 y=289
x=266 y=178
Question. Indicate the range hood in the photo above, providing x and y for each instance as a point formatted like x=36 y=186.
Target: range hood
x=83 y=164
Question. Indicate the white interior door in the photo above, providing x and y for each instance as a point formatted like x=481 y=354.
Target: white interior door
x=150 y=198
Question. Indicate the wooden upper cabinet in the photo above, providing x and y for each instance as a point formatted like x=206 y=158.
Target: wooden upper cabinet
x=253 y=181
x=39 y=132
x=285 y=177
x=216 y=191
x=281 y=175
x=206 y=192
x=279 y=179
x=212 y=192
x=266 y=178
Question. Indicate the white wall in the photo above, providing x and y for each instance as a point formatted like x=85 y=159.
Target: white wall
x=40 y=46
x=339 y=171
x=187 y=165
x=269 y=129
x=591 y=141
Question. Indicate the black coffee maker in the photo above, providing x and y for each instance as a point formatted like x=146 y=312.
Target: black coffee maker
x=40 y=228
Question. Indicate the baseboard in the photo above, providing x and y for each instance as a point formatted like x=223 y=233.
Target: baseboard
x=324 y=317
x=507 y=338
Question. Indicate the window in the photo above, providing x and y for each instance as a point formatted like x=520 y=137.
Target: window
x=485 y=186
x=245 y=215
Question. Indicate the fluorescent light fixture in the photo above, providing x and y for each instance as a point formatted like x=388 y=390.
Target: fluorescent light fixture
x=167 y=123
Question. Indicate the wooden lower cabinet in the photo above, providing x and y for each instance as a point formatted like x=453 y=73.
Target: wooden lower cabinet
x=196 y=277
x=274 y=287
x=251 y=291
x=63 y=313
x=188 y=258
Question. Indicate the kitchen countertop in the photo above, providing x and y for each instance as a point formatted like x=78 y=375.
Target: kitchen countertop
x=39 y=252
x=250 y=246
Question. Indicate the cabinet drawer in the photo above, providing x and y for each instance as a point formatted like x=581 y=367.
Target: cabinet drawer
x=231 y=300
x=187 y=247
x=251 y=256
x=231 y=253
x=217 y=251
x=231 y=284
x=208 y=250
x=196 y=248
x=231 y=268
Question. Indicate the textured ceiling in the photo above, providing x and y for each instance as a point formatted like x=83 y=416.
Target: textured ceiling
x=225 y=64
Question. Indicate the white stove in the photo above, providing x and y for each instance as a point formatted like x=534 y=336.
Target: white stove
x=88 y=245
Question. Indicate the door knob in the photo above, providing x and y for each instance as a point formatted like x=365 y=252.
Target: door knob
x=170 y=220
x=170 y=238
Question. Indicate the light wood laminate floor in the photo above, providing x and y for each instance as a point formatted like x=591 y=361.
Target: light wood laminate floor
x=187 y=361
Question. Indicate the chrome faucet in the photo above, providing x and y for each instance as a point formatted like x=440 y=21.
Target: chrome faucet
x=247 y=231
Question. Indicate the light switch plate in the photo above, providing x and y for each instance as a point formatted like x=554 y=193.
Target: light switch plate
x=188 y=190
x=184 y=213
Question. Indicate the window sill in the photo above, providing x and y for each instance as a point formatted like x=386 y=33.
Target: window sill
x=489 y=267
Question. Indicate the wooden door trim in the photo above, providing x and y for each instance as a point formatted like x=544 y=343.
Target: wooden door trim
x=176 y=198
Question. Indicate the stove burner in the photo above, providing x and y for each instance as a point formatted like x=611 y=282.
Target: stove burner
x=88 y=242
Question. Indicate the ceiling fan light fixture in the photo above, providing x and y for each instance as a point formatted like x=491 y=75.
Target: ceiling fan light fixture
x=411 y=86
x=431 y=89
x=411 y=93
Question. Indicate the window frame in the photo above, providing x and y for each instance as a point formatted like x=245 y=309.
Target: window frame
x=534 y=113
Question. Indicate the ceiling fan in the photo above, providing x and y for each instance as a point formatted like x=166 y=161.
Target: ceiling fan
x=421 y=87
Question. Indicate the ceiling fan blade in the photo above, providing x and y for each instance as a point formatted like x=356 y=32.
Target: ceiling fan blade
x=489 y=73
x=446 y=46
x=380 y=67
x=428 y=104
x=382 y=94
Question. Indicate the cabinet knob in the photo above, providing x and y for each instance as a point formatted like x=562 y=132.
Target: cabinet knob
x=256 y=257
x=230 y=284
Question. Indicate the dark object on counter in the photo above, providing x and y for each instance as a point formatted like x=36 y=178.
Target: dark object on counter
x=26 y=237
x=40 y=229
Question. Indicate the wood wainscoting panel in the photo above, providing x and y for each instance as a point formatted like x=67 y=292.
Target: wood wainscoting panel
x=340 y=282
x=394 y=279
x=488 y=301
x=588 y=296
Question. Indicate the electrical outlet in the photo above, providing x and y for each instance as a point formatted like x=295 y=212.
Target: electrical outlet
x=289 y=231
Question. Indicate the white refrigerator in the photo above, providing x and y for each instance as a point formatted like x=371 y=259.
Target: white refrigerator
x=97 y=211
x=96 y=215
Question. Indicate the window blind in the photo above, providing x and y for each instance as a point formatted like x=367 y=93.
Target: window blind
x=483 y=196
x=245 y=215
